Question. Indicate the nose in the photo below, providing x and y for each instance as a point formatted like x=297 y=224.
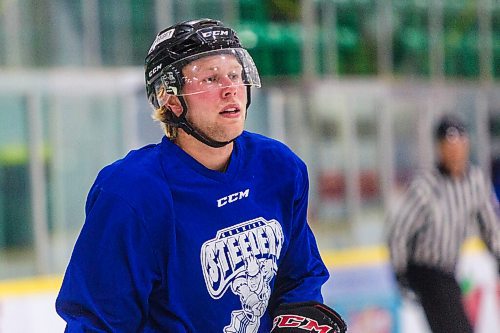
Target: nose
x=229 y=88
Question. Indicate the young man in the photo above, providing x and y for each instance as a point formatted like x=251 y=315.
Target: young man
x=427 y=231
x=205 y=231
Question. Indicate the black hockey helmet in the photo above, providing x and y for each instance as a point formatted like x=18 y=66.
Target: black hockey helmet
x=176 y=46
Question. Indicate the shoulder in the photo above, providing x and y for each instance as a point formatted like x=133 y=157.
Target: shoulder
x=478 y=179
x=133 y=188
x=272 y=161
x=135 y=178
x=476 y=172
x=269 y=150
x=426 y=181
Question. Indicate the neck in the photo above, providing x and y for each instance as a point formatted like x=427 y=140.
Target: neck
x=457 y=172
x=212 y=158
x=454 y=170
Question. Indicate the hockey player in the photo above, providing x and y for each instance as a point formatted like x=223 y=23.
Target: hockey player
x=205 y=231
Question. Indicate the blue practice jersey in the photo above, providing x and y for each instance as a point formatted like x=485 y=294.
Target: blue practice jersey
x=171 y=246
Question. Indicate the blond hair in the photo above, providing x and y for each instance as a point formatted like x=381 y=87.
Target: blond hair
x=161 y=115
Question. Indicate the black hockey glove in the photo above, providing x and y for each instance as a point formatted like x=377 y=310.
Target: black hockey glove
x=307 y=317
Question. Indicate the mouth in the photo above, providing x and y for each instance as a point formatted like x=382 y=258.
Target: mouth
x=230 y=110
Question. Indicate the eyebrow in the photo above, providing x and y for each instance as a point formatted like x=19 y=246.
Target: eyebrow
x=212 y=68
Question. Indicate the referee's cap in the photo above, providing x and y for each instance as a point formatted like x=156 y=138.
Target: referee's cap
x=449 y=127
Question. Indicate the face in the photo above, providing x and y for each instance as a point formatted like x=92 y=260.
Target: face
x=254 y=282
x=215 y=96
x=454 y=152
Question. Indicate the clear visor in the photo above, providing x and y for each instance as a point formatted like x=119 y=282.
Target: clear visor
x=207 y=72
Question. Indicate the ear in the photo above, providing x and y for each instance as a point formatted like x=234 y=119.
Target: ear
x=174 y=104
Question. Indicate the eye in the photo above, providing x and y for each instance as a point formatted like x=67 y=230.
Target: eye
x=235 y=77
x=210 y=79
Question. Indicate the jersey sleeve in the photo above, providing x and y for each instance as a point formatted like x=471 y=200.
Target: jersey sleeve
x=403 y=222
x=111 y=272
x=301 y=272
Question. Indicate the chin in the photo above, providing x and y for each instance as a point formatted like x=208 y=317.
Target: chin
x=233 y=135
x=228 y=138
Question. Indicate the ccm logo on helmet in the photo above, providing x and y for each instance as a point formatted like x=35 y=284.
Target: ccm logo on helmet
x=304 y=323
x=215 y=33
x=155 y=70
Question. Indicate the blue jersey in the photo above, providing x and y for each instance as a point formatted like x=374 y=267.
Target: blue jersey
x=171 y=246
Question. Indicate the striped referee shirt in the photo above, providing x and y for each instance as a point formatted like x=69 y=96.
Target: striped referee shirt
x=436 y=215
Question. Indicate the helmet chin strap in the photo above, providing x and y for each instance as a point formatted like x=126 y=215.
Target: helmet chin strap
x=189 y=129
x=182 y=122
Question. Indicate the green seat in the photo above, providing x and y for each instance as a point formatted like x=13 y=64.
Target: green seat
x=411 y=43
x=461 y=39
x=253 y=11
x=284 y=42
x=253 y=38
x=356 y=47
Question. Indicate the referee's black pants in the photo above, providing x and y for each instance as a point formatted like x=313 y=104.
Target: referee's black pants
x=441 y=299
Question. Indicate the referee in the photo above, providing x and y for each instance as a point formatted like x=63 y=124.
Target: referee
x=427 y=230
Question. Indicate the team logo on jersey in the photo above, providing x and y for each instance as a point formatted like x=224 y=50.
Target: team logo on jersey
x=243 y=258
